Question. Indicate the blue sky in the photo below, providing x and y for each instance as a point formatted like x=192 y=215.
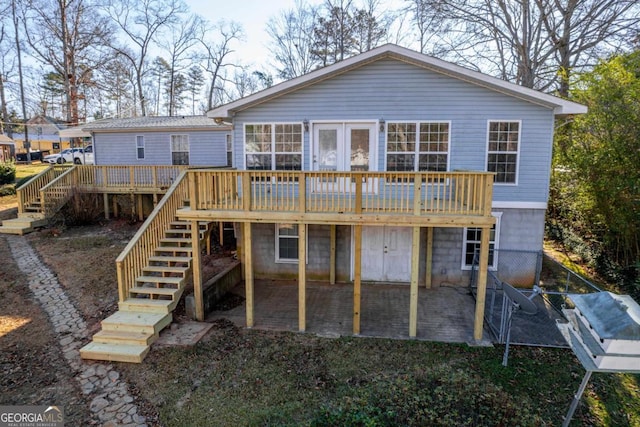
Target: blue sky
x=253 y=15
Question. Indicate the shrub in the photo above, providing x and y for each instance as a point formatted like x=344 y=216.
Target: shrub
x=7 y=173
x=82 y=209
x=7 y=190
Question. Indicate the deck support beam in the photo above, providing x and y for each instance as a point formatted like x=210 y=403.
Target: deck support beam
x=197 y=271
x=482 y=283
x=429 y=260
x=357 y=274
x=140 y=208
x=415 y=273
x=105 y=201
x=332 y=256
x=248 y=272
x=302 y=277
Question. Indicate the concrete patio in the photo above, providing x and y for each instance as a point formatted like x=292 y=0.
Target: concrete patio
x=445 y=314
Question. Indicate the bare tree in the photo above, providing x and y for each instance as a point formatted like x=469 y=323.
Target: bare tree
x=68 y=36
x=370 y=26
x=535 y=43
x=292 y=37
x=16 y=29
x=216 y=57
x=7 y=64
x=140 y=21
x=178 y=41
x=195 y=81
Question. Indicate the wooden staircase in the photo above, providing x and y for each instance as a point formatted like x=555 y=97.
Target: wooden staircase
x=31 y=218
x=127 y=335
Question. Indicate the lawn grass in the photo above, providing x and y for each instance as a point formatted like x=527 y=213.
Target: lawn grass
x=25 y=172
x=246 y=377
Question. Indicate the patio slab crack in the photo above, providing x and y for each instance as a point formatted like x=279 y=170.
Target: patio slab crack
x=111 y=404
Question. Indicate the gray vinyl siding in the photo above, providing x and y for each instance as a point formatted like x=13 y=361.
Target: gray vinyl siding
x=395 y=90
x=206 y=148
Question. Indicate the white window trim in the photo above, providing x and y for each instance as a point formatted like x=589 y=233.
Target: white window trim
x=279 y=260
x=228 y=139
x=496 y=243
x=417 y=150
x=144 y=148
x=486 y=150
x=273 y=143
x=171 y=146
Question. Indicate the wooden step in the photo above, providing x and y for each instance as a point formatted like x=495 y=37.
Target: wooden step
x=124 y=337
x=5 y=229
x=173 y=231
x=166 y=269
x=168 y=259
x=114 y=352
x=178 y=240
x=178 y=281
x=31 y=215
x=151 y=323
x=139 y=290
x=148 y=305
x=173 y=249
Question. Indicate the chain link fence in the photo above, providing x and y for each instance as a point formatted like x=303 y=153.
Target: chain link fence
x=526 y=270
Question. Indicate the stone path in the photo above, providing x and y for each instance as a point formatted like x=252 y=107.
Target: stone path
x=111 y=403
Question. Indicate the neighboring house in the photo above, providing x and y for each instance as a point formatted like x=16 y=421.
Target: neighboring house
x=179 y=140
x=393 y=109
x=43 y=135
x=7 y=149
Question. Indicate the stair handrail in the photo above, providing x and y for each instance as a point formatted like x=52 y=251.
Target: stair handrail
x=135 y=255
x=57 y=192
x=30 y=190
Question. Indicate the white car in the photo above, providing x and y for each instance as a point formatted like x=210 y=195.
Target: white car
x=78 y=156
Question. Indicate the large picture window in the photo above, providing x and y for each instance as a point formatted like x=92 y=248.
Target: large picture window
x=503 y=146
x=179 y=149
x=419 y=146
x=273 y=146
x=471 y=244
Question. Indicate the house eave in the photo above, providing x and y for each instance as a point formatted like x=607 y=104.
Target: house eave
x=560 y=107
x=158 y=129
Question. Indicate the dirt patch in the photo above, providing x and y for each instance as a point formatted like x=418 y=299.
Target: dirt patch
x=8 y=207
x=32 y=369
x=83 y=259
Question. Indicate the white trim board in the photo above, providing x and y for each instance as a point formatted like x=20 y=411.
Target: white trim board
x=518 y=205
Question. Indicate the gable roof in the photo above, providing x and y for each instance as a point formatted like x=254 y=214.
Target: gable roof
x=390 y=51
x=155 y=123
x=5 y=140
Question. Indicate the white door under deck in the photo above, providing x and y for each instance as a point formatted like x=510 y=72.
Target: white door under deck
x=386 y=254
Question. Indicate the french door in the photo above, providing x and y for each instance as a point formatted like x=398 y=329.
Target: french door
x=343 y=147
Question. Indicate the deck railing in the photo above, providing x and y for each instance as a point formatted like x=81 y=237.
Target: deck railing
x=57 y=192
x=29 y=192
x=127 y=178
x=449 y=193
x=135 y=255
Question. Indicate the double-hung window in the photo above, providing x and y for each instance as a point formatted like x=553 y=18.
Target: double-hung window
x=502 y=154
x=273 y=146
x=287 y=243
x=179 y=149
x=229 y=150
x=140 y=147
x=471 y=244
x=418 y=146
